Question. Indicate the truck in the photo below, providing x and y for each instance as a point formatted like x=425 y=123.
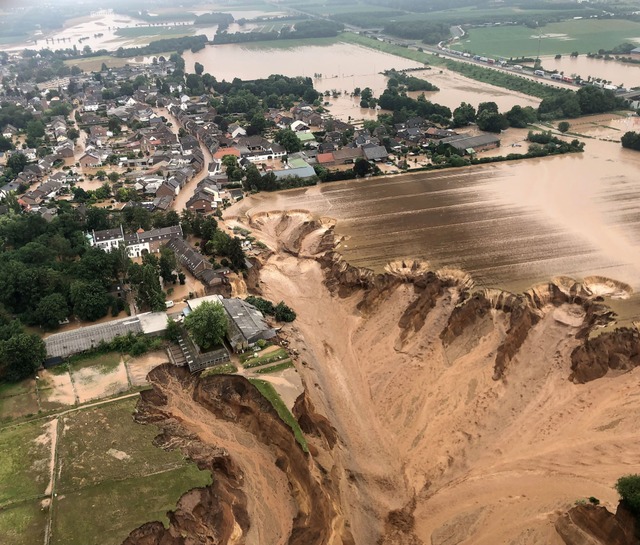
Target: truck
x=556 y=76
x=538 y=73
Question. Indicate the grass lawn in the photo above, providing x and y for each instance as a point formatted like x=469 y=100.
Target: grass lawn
x=372 y=43
x=25 y=456
x=224 y=369
x=249 y=361
x=286 y=364
x=584 y=36
x=268 y=391
x=103 y=363
x=104 y=443
x=18 y=400
x=106 y=513
x=93 y=64
x=23 y=524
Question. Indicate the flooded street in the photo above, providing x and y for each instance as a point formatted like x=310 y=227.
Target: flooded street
x=510 y=225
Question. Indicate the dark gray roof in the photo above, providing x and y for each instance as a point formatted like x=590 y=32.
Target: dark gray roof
x=164 y=233
x=463 y=141
x=108 y=234
x=375 y=153
x=247 y=324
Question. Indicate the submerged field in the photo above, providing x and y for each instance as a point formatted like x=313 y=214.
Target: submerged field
x=583 y=36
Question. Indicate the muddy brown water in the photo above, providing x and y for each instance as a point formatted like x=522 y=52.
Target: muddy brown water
x=614 y=71
x=510 y=225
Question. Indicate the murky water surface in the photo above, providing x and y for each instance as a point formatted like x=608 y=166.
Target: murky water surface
x=510 y=225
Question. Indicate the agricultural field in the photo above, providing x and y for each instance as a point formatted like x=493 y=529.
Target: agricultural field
x=83 y=379
x=583 y=36
x=94 y=64
x=106 y=467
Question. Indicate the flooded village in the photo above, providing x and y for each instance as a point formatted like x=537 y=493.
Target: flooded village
x=342 y=287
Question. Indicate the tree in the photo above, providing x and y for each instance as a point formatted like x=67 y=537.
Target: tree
x=288 y=139
x=35 y=129
x=51 y=310
x=5 y=144
x=17 y=162
x=90 y=301
x=21 y=355
x=113 y=177
x=463 y=115
x=73 y=134
x=631 y=140
x=491 y=122
x=362 y=167
x=629 y=489
x=207 y=325
x=101 y=175
x=563 y=126
x=167 y=264
x=199 y=68
x=149 y=292
x=172 y=333
x=283 y=313
x=487 y=107
x=114 y=125
x=236 y=254
x=520 y=117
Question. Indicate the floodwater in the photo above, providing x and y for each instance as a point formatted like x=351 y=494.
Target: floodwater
x=615 y=72
x=509 y=225
x=84 y=27
x=343 y=66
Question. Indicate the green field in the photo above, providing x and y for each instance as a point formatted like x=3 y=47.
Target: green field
x=18 y=400
x=106 y=513
x=110 y=477
x=23 y=524
x=25 y=458
x=104 y=443
x=268 y=391
x=583 y=36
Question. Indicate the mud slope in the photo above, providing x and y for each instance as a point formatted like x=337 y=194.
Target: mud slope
x=461 y=416
x=265 y=488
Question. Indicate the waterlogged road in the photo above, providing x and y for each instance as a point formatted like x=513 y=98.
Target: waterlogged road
x=510 y=225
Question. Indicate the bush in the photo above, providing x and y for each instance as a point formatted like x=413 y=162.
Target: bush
x=629 y=489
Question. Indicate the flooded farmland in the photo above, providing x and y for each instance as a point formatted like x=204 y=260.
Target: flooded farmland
x=510 y=225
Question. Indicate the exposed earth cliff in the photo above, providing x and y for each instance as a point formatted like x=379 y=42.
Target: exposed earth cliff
x=434 y=413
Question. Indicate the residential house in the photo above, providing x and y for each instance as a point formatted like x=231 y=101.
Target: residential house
x=90 y=159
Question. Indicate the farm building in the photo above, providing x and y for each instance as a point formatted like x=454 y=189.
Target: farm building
x=468 y=145
x=68 y=343
x=246 y=323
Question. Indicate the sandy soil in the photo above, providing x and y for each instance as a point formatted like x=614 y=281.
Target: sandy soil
x=485 y=461
x=56 y=389
x=90 y=383
x=138 y=368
